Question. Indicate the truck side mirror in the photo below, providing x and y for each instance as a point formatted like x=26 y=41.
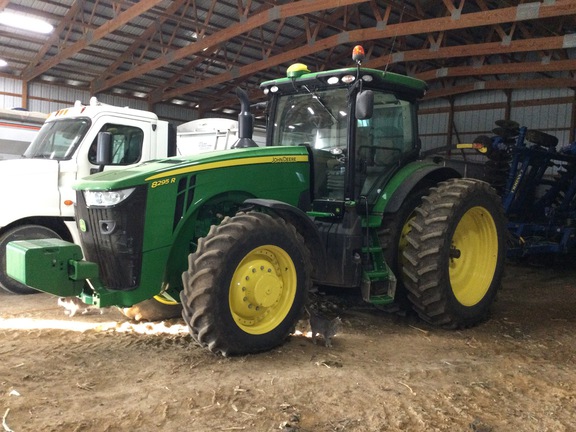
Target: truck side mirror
x=103 y=150
x=364 y=105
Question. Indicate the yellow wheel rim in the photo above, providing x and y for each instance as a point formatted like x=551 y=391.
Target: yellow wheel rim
x=164 y=300
x=262 y=289
x=402 y=243
x=473 y=256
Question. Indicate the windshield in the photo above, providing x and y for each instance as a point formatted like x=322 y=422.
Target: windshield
x=58 y=139
x=320 y=120
x=317 y=119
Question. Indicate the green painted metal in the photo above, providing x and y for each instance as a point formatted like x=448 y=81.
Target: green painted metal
x=391 y=187
x=221 y=182
x=182 y=197
x=45 y=265
x=379 y=271
x=154 y=172
x=380 y=78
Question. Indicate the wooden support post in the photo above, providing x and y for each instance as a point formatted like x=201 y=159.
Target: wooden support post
x=450 y=128
x=25 y=95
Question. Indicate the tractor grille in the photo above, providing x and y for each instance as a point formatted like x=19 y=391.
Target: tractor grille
x=113 y=239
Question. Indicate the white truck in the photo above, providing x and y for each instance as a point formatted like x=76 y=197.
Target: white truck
x=17 y=130
x=36 y=190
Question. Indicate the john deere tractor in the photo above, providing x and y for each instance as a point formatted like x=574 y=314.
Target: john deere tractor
x=236 y=238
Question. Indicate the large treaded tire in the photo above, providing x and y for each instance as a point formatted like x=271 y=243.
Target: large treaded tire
x=392 y=235
x=246 y=284
x=24 y=232
x=455 y=253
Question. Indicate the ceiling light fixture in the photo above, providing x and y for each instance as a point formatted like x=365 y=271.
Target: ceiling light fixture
x=3 y=63
x=25 y=22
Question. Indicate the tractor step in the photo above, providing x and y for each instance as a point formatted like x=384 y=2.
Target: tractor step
x=379 y=292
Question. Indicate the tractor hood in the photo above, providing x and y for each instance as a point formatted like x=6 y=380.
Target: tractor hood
x=158 y=170
x=27 y=186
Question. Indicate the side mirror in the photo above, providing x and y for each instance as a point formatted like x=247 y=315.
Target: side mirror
x=364 y=105
x=104 y=150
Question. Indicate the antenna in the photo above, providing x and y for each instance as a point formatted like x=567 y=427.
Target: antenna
x=394 y=38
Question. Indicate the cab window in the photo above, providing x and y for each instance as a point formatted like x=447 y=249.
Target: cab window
x=126 y=144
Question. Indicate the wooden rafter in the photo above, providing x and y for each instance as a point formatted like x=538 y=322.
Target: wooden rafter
x=91 y=36
x=492 y=17
x=257 y=20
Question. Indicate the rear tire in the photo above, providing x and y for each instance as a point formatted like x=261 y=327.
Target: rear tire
x=455 y=252
x=392 y=235
x=246 y=284
x=23 y=232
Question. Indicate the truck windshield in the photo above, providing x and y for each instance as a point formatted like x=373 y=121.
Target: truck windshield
x=58 y=139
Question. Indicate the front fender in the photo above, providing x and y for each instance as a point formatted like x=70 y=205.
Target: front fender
x=303 y=224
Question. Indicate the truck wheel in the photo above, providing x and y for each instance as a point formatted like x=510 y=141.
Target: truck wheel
x=246 y=284
x=152 y=310
x=455 y=252
x=24 y=232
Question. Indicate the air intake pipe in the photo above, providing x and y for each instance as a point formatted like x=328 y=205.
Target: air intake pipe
x=245 y=122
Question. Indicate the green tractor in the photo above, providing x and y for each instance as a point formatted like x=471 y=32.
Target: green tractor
x=236 y=238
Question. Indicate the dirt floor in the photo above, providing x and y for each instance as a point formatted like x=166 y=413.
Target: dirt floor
x=383 y=373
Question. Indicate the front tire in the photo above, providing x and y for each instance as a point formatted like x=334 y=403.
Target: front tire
x=455 y=253
x=24 y=232
x=246 y=284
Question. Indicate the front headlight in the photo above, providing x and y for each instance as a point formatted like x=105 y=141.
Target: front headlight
x=106 y=198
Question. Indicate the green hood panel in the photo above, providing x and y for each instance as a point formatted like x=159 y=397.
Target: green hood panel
x=158 y=170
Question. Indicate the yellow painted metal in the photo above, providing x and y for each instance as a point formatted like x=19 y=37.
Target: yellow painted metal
x=262 y=289
x=161 y=299
x=471 y=273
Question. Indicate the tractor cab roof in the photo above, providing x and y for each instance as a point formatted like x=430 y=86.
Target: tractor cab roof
x=372 y=78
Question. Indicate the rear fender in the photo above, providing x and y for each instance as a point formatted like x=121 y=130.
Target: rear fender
x=414 y=176
x=303 y=224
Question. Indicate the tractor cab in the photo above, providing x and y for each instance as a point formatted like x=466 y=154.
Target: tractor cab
x=359 y=126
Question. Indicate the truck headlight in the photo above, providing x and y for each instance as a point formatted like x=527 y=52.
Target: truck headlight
x=106 y=198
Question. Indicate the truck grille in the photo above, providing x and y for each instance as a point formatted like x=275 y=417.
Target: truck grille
x=113 y=239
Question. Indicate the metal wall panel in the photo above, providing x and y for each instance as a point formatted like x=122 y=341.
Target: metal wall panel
x=548 y=116
x=552 y=118
x=47 y=98
x=13 y=88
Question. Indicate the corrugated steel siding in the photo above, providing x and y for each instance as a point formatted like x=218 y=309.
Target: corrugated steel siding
x=552 y=118
x=47 y=98
x=9 y=88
